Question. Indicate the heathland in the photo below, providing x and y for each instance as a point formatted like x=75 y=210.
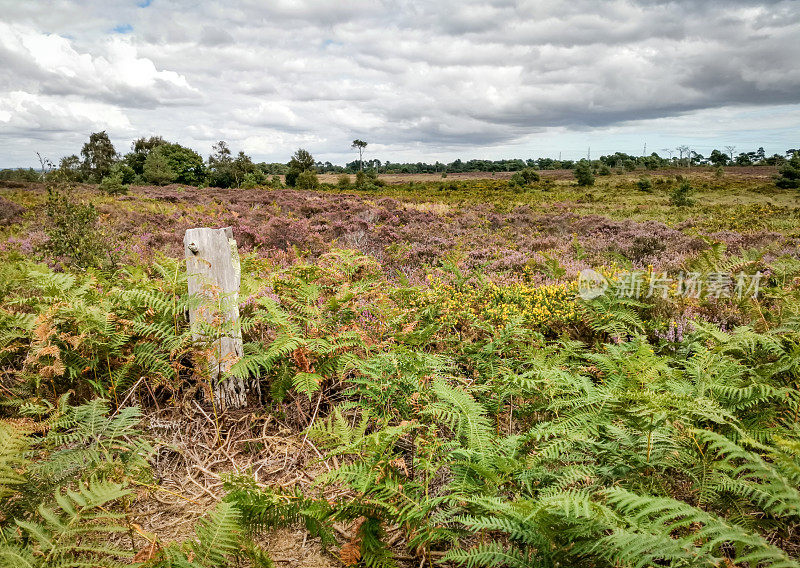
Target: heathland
x=432 y=381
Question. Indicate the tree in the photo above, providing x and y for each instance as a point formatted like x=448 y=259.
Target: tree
x=69 y=168
x=186 y=164
x=683 y=149
x=717 y=158
x=301 y=161
x=359 y=145
x=140 y=149
x=789 y=177
x=157 y=169
x=583 y=173
x=730 y=150
x=98 y=156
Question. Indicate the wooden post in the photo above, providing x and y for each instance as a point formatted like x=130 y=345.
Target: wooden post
x=214 y=274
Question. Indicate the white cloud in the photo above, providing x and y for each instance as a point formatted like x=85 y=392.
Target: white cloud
x=444 y=78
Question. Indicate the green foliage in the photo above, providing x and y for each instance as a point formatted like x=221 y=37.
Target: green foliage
x=99 y=156
x=61 y=491
x=680 y=195
x=343 y=181
x=583 y=173
x=72 y=229
x=307 y=180
x=140 y=149
x=301 y=161
x=524 y=177
x=645 y=184
x=181 y=164
x=789 y=174
x=156 y=169
x=226 y=171
x=114 y=182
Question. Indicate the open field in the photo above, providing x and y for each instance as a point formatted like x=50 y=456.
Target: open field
x=434 y=387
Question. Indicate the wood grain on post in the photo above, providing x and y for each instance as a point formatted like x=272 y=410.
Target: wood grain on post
x=214 y=275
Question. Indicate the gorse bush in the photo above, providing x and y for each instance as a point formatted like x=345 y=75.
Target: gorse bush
x=680 y=195
x=72 y=228
x=583 y=173
x=789 y=174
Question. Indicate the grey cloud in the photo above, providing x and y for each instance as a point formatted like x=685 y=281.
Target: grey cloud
x=445 y=74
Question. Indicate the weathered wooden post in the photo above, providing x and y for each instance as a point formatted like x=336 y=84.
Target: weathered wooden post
x=214 y=274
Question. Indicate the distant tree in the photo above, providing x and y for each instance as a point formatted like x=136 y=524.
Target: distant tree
x=98 y=156
x=187 y=164
x=524 y=178
x=359 y=145
x=730 y=150
x=583 y=173
x=220 y=166
x=140 y=149
x=717 y=158
x=69 y=168
x=789 y=174
x=761 y=155
x=683 y=150
x=157 y=169
x=242 y=167
x=744 y=159
x=301 y=161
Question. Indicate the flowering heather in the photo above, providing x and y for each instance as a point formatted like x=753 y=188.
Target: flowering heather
x=409 y=233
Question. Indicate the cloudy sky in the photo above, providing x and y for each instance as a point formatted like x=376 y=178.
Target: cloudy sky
x=416 y=80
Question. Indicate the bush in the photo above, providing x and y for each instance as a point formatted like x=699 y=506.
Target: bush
x=343 y=181
x=361 y=179
x=249 y=181
x=679 y=196
x=645 y=184
x=74 y=238
x=604 y=171
x=116 y=182
x=583 y=173
x=112 y=184
x=524 y=177
x=789 y=177
x=307 y=180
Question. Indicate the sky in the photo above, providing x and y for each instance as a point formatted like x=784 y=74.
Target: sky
x=418 y=81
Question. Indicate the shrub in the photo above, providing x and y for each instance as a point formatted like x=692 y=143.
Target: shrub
x=789 y=177
x=74 y=238
x=604 y=171
x=361 y=179
x=645 y=184
x=524 y=177
x=583 y=173
x=115 y=183
x=249 y=181
x=307 y=180
x=343 y=181
x=112 y=185
x=679 y=196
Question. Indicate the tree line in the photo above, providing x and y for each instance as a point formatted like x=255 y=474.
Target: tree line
x=157 y=161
